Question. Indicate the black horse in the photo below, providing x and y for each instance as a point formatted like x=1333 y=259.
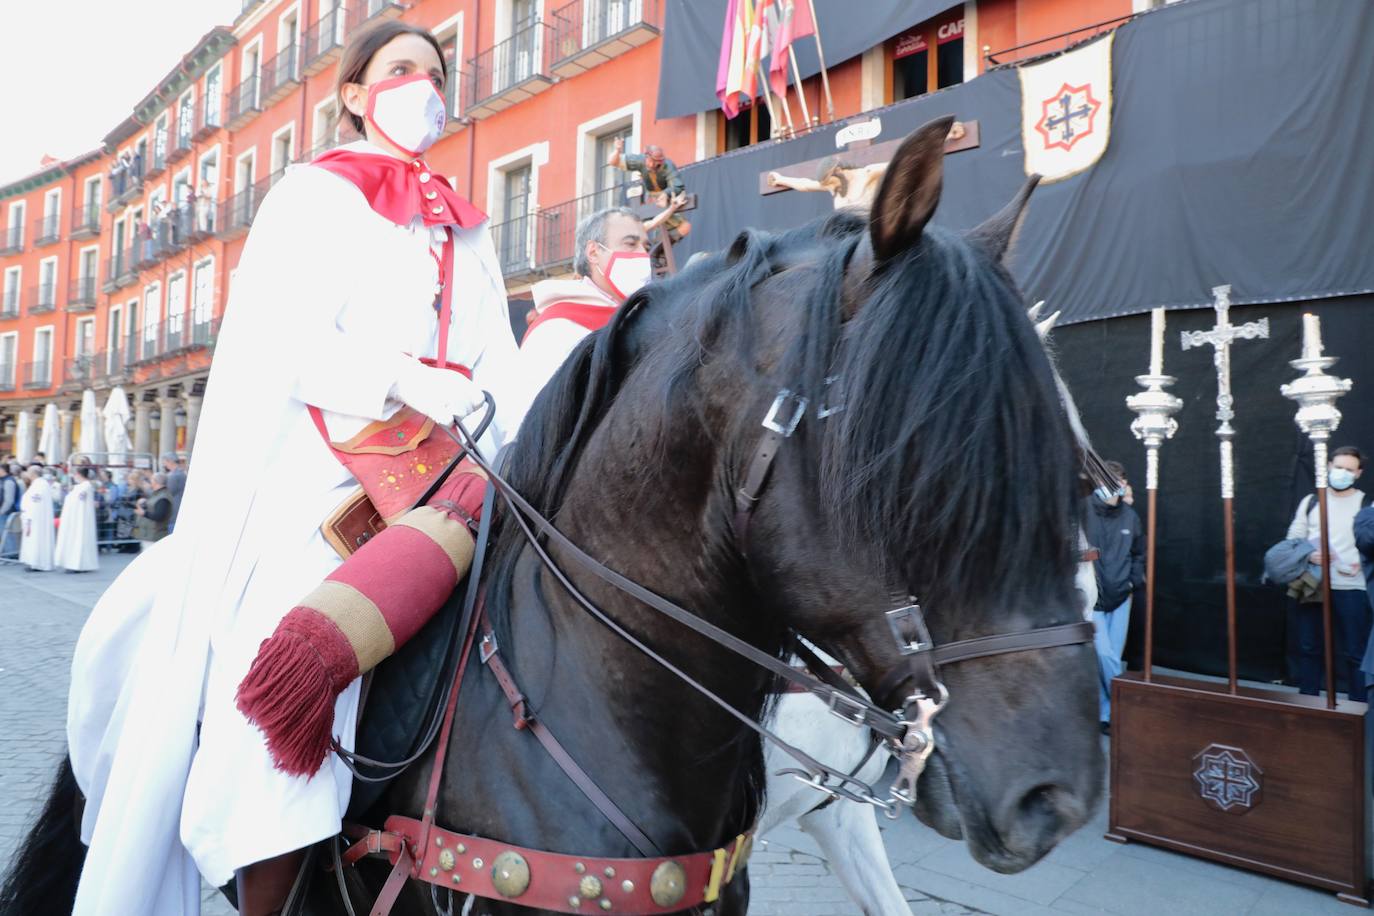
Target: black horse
x=945 y=469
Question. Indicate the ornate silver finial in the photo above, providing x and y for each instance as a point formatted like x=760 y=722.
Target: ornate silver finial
x=1154 y=407
x=1220 y=337
x=1316 y=394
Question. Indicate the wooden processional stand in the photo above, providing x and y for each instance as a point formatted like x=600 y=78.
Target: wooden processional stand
x=1261 y=779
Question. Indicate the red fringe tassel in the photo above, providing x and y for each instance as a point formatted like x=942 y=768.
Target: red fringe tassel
x=290 y=690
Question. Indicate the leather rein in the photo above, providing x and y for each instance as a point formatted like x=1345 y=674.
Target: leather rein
x=908 y=729
x=420 y=849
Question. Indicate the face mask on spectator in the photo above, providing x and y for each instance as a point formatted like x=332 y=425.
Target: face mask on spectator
x=1341 y=478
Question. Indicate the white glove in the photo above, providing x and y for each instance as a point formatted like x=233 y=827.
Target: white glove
x=441 y=394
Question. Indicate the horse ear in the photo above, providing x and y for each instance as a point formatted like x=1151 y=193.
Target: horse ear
x=910 y=190
x=997 y=234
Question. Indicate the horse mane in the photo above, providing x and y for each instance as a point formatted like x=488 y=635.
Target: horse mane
x=951 y=455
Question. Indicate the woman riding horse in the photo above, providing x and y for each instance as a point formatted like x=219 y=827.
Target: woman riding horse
x=797 y=435
x=387 y=315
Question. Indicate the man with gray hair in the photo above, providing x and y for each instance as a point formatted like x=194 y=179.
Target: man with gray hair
x=611 y=262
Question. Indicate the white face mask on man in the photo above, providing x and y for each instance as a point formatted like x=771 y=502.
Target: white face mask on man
x=407 y=111
x=626 y=272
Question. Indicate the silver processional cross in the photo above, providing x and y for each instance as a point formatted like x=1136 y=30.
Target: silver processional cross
x=1221 y=337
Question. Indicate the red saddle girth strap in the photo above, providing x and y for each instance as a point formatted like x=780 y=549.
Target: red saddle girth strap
x=419 y=849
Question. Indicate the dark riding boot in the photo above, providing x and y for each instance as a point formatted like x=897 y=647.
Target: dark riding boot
x=264 y=886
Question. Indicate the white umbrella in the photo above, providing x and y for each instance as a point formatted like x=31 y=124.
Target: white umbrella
x=117 y=426
x=24 y=438
x=92 y=437
x=50 y=440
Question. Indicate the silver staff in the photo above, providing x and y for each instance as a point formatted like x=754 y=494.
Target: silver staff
x=1220 y=337
x=1316 y=394
x=1154 y=408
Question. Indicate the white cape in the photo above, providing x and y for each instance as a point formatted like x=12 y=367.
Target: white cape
x=76 y=537
x=343 y=292
x=36 y=548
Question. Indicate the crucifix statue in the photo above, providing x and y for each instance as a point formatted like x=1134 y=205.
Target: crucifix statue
x=1220 y=338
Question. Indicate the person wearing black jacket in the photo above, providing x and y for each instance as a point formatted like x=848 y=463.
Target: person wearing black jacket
x=1115 y=530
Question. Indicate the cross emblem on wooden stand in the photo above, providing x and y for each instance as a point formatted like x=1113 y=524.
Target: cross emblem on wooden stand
x=1220 y=338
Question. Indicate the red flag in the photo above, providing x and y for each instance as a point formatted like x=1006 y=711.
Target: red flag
x=794 y=22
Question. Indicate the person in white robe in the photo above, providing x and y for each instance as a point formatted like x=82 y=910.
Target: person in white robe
x=330 y=304
x=77 y=550
x=36 y=546
x=612 y=261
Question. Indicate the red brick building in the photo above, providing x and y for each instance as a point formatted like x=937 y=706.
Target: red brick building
x=116 y=265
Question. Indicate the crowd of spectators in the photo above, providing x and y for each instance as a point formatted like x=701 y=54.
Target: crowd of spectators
x=132 y=506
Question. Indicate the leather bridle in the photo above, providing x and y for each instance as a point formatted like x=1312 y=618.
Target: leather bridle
x=908 y=730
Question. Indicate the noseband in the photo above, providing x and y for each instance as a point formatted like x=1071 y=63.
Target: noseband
x=910 y=729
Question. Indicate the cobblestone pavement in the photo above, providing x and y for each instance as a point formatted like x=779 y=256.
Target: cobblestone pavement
x=42 y=613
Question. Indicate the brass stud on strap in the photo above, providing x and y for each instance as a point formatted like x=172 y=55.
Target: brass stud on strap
x=510 y=874
x=462 y=848
x=457 y=879
x=434 y=872
x=574 y=900
x=579 y=868
x=605 y=903
x=447 y=860
x=589 y=887
x=627 y=886
x=668 y=883
x=438 y=841
x=610 y=872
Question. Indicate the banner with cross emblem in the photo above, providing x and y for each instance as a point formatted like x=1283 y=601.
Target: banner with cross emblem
x=1066 y=110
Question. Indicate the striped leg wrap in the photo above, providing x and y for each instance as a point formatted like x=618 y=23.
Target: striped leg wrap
x=367 y=608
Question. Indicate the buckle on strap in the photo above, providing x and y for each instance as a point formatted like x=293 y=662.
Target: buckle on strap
x=850 y=709
x=488 y=647
x=775 y=422
x=908 y=626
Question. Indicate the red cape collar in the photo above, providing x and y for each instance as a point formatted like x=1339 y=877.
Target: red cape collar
x=592 y=317
x=400 y=190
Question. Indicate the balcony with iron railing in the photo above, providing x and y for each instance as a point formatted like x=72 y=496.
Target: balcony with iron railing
x=86 y=221
x=515 y=243
x=7 y=377
x=81 y=296
x=323 y=41
x=204 y=332
x=239 y=210
x=12 y=239
x=126 y=183
x=44 y=298
x=508 y=72
x=244 y=102
x=209 y=116
x=280 y=75
x=120 y=270
x=364 y=11
x=157 y=162
x=182 y=138
x=47 y=229
x=11 y=302
x=585 y=33
x=38 y=375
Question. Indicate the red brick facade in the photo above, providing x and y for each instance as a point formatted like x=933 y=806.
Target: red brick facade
x=93 y=299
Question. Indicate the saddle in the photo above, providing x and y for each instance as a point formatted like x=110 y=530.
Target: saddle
x=399 y=699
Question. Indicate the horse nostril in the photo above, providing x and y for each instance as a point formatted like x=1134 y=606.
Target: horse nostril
x=1043 y=816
